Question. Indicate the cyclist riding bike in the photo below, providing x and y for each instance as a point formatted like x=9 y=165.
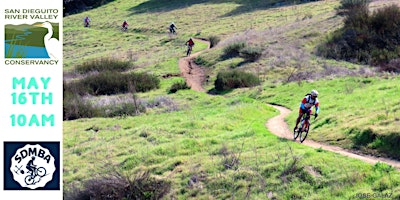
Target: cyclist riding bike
x=30 y=166
x=172 y=28
x=86 y=21
x=306 y=105
x=190 y=45
x=125 y=25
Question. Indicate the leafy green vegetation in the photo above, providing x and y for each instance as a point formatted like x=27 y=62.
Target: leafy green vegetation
x=103 y=64
x=178 y=86
x=367 y=38
x=235 y=79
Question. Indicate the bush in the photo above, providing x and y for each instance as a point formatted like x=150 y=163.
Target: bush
x=251 y=53
x=366 y=38
x=213 y=41
x=234 y=49
x=178 y=86
x=123 y=109
x=75 y=107
x=108 y=83
x=235 y=79
x=392 y=66
x=142 y=186
x=103 y=64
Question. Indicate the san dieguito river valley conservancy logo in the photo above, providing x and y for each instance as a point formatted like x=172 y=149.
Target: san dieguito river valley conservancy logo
x=32 y=166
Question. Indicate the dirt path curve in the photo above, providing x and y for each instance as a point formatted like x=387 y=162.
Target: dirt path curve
x=278 y=126
x=194 y=74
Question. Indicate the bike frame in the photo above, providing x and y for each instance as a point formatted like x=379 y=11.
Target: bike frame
x=305 y=122
x=189 y=50
x=304 y=127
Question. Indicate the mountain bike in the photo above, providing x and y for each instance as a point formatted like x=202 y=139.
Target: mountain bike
x=189 y=50
x=302 y=131
x=30 y=178
x=172 y=31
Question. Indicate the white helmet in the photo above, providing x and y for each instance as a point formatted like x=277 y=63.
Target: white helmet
x=314 y=93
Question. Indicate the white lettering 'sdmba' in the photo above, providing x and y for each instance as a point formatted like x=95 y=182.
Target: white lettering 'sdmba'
x=32 y=166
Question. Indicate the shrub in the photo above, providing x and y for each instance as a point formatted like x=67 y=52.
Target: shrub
x=75 y=107
x=123 y=109
x=392 y=66
x=366 y=38
x=142 y=186
x=143 y=82
x=213 y=41
x=103 y=64
x=251 y=53
x=108 y=83
x=234 y=48
x=235 y=79
x=178 y=86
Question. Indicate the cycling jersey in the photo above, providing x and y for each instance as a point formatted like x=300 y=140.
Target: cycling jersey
x=307 y=103
x=190 y=42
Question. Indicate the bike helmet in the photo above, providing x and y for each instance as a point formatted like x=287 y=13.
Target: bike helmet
x=314 y=93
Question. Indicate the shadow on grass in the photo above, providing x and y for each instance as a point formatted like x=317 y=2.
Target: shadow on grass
x=369 y=141
x=245 y=6
x=75 y=7
x=214 y=91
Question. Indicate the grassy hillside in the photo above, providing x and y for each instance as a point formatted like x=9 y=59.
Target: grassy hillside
x=200 y=146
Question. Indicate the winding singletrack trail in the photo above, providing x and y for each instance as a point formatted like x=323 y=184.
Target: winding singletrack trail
x=278 y=126
x=194 y=74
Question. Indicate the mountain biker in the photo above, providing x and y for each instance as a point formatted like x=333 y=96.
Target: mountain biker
x=190 y=45
x=86 y=21
x=172 y=27
x=190 y=42
x=306 y=105
x=125 y=25
x=30 y=166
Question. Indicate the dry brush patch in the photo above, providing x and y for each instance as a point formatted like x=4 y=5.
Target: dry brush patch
x=117 y=186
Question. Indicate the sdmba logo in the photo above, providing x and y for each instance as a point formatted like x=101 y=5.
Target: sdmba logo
x=32 y=165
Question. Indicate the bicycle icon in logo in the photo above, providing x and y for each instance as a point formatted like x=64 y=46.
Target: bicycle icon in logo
x=37 y=172
x=34 y=173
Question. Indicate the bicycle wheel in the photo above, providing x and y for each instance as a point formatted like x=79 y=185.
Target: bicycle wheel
x=41 y=171
x=303 y=134
x=29 y=180
x=296 y=133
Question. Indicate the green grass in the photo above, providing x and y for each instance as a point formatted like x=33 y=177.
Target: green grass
x=194 y=136
x=206 y=132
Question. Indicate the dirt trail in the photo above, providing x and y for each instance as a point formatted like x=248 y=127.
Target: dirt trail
x=278 y=126
x=194 y=74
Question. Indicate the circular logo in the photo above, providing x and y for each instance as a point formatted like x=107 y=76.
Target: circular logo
x=32 y=166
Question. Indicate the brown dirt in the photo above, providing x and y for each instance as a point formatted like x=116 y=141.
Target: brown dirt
x=195 y=77
x=278 y=126
x=194 y=74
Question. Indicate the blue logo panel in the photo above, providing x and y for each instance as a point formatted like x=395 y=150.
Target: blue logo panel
x=31 y=165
